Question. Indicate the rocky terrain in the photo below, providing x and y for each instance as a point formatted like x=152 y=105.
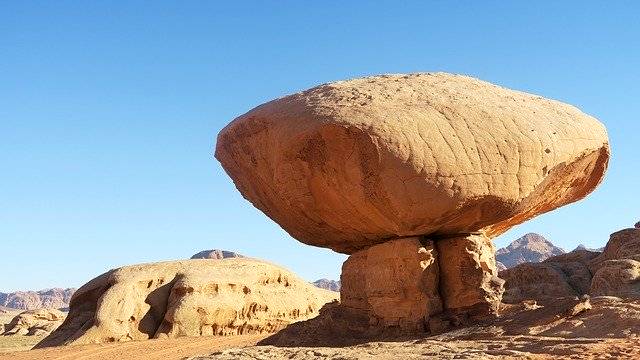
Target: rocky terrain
x=531 y=247
x=613 y=272
x=234 y=296
x=55 y=298
x=34 y=323
x=327 y=284
x=412 y=176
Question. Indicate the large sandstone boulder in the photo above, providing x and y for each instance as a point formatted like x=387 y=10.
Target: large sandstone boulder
x=34 y=322
x=188 y=298
x=350 y=164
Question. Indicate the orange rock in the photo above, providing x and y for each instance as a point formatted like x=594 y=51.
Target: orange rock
x=469 y=280
x=188 y=298
x=350 y=164
x=395 y=283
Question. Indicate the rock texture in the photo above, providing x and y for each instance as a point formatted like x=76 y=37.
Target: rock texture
x=617 y=270
x=561 y=276
x=349 y=164
x=216 y=254
x=328 y=284
x=531 y=247
x=187 y=298
x=55 y=298
x=395 y=284
x=412 y=175
x=614 y=272
x=34 y=322
x=469 y=280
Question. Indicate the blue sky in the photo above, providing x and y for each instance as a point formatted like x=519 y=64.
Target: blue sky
x=109 y=112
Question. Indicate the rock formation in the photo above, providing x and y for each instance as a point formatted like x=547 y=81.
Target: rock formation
x=412 y=175
x=187 y=298
x=216 y=254
x=617 y=270
x=55 y=298
x=565 y=275
x=614 y=272
x=327 y=284
x=34 y=322
x=531 y=247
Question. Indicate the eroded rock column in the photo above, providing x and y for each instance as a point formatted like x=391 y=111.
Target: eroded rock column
x=395 y=283
x=405 y=283
x=469 y=283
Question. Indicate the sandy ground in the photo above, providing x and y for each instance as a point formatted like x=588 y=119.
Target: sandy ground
x=169 y=349
x=505 y=348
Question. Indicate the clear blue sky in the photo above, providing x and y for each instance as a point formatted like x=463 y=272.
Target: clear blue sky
x=109 y=112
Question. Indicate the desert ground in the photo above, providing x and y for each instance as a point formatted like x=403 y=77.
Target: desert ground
x=166 y=349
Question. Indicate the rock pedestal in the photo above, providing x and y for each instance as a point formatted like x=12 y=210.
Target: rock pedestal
x=395 y=283
x=468 y=277
x=405 y=282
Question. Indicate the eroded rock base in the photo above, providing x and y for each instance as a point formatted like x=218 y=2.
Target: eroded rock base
x=418 y=285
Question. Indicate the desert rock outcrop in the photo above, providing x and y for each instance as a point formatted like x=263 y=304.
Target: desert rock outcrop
x=412 y=175
x=187 y=298
x=616 y=271
x=55 y=298
x=613 y=272
x=34 y=322
x=561 y=276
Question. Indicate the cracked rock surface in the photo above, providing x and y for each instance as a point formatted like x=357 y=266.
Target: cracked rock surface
x=350 y=164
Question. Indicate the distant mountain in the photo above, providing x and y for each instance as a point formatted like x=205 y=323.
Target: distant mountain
x=327 y=284
x=582 y=247
x=530 y=248
x=28 y=300
x=216 y=254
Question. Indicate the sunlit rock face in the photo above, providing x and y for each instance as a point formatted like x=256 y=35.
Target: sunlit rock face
x=412 y=175
x=349 y=164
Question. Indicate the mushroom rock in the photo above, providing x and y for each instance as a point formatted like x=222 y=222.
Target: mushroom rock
x=355 y=165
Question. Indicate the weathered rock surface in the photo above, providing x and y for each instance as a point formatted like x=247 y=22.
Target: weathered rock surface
x=187 y=298
x=561 y=276
x=616 y=271
x=55 y=298
x=350 y=164
x=34 y=322
x=469 y=280
x=327 y=284
x=395 y=284
x=531 y=247
x=216 y=254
